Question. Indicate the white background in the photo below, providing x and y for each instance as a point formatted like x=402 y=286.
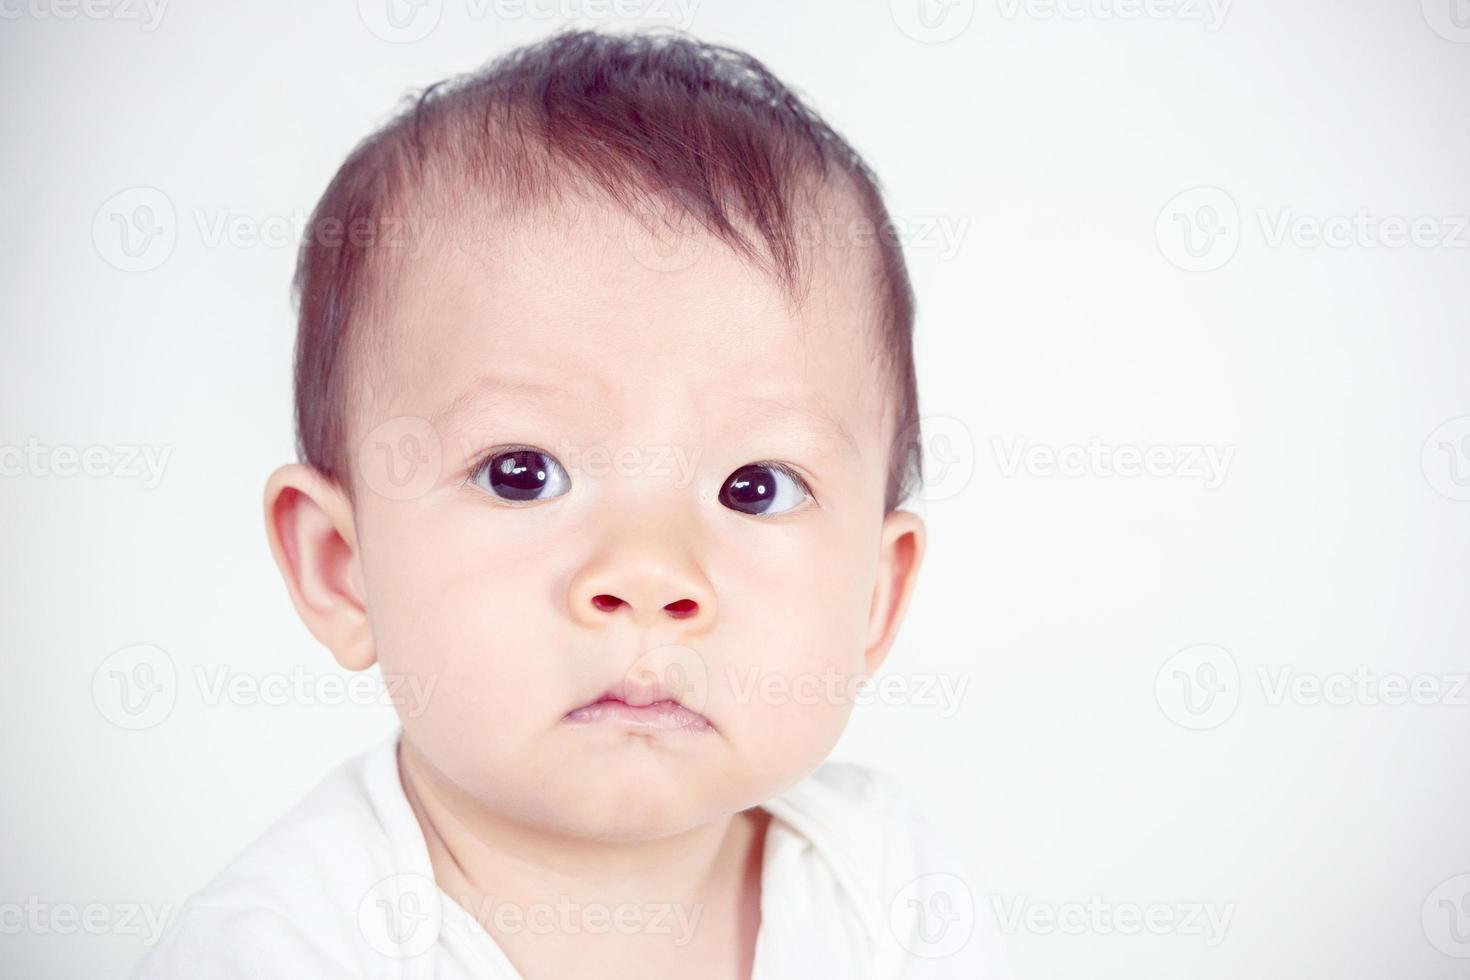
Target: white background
x=1053 y=143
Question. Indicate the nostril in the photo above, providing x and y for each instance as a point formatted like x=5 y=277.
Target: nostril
x=682 y=609
x=606 y=603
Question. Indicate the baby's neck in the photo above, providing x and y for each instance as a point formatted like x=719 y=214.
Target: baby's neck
x=556 y=904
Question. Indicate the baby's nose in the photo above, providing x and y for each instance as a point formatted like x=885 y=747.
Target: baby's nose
x=679 y=608
x=648 y=589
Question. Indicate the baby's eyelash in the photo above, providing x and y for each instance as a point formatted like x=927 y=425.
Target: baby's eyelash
x=789 y=471
x=483 y=460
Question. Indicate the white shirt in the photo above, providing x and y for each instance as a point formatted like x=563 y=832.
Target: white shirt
x=853 y=887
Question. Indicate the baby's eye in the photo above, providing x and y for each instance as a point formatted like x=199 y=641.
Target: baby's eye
x=763 y=489
x=522 y=474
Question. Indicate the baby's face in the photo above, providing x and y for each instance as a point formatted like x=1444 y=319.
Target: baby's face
x=596 y=523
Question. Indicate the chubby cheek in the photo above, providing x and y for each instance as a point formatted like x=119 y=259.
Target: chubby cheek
x=794 y=658
x=457 y=617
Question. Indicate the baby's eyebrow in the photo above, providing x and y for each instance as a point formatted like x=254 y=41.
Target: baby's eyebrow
x=487 y=388
x=812 y=421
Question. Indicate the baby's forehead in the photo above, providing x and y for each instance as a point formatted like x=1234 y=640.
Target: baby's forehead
x=642 y=298
x=832 y=238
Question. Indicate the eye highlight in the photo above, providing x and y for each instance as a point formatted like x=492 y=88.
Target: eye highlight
x=521 y=474
x=764 y=490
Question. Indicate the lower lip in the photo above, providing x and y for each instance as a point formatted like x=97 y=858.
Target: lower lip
x=660 y=716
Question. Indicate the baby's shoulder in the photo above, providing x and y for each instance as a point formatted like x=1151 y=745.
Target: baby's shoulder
x=287 y=905
x=931 y=913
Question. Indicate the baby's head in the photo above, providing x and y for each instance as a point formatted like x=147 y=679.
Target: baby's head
x=606 y=404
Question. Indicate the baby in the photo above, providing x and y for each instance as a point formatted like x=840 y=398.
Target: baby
x=606 y=407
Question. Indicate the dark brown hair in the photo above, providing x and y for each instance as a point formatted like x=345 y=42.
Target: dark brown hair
x=649 y=116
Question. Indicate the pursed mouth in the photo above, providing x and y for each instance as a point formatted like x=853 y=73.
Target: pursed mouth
x=660 y=715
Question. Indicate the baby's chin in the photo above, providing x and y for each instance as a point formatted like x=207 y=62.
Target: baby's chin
x=610 y=786
x=629 y=814
x=612 y=780
x=629 y=787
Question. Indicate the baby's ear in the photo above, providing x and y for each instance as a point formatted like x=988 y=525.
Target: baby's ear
x=309 y=521
x=900 y=551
